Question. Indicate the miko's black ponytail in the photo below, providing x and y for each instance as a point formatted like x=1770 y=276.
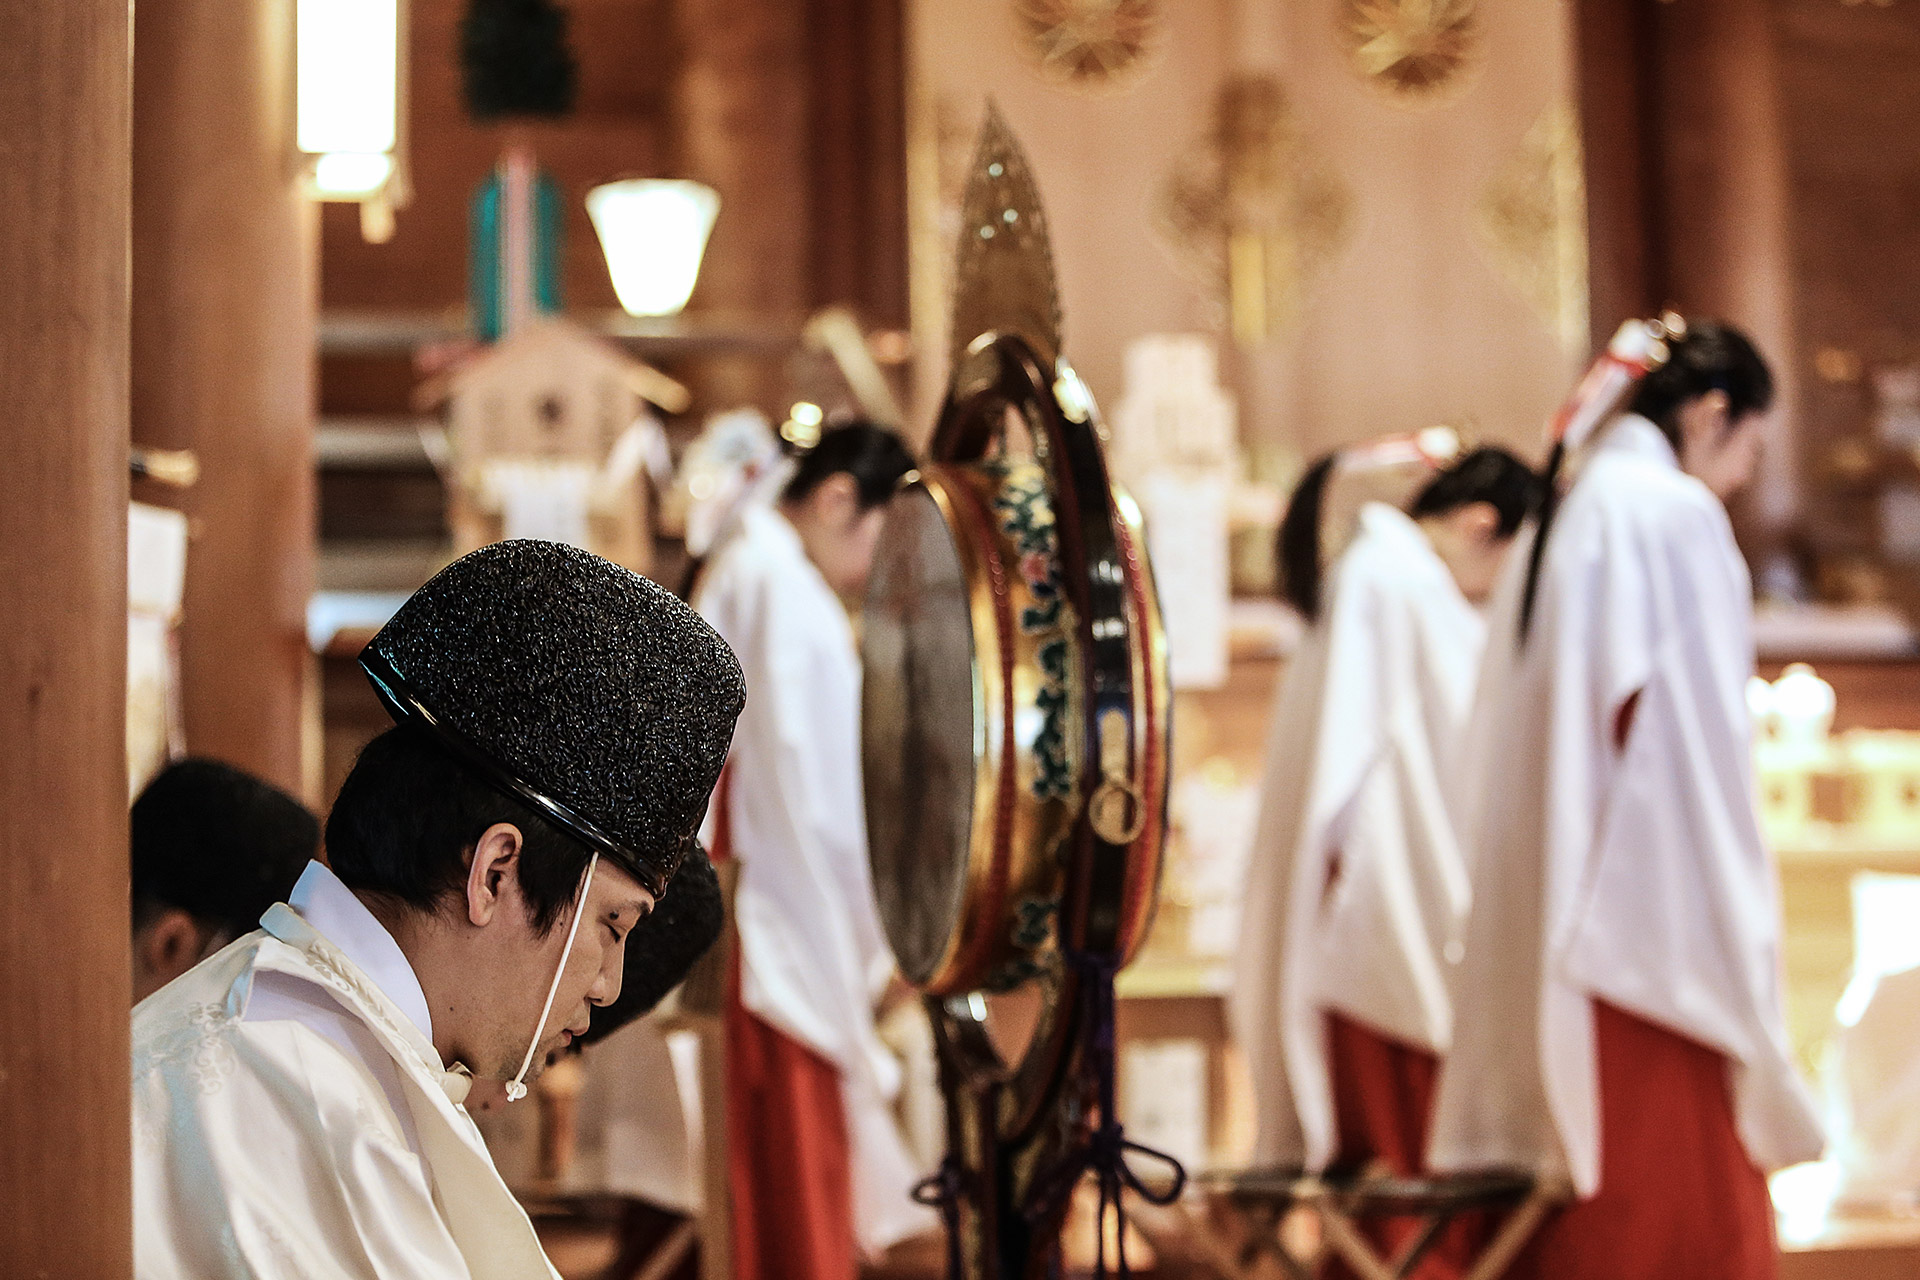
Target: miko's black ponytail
x=1298 y=545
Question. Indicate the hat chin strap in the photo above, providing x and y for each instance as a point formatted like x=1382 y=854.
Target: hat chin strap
x=516 y=1087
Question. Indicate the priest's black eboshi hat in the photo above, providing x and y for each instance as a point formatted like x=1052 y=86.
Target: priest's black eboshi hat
x=574 y=685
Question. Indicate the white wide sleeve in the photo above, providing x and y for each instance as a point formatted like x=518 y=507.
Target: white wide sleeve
x=268 y=1154
x=811 y=936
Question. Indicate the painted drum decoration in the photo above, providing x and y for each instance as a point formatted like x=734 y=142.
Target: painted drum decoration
x=966 y=635
x=972 y=743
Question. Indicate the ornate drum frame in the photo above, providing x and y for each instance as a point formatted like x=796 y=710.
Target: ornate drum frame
x=1055 y=875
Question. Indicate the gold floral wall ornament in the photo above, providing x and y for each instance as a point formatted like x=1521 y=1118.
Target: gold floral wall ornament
x=1531 y=221
x=1418 y=51
x=1093 y=45
x=1254 y=211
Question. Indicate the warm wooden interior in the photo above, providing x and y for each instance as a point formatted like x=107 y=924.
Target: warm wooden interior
x=64 y=211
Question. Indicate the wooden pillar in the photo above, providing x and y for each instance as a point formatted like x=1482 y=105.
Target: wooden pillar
x=64 y=1129
x=740 y=126
x=857 y=157
x=1725 y=206
x=1613 y=75
x=224 y=319
x=1687 y=190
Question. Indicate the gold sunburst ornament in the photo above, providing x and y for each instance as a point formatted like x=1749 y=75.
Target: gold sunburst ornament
x=1417 y=50
x=1096 y=45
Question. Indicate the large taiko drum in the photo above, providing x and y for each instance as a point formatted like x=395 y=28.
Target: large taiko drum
x=986 y=740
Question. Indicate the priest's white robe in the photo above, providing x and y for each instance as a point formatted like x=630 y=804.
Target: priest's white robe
x=813 y=954
x=293 y=1119
x=1373 y=706
x=1632 y=874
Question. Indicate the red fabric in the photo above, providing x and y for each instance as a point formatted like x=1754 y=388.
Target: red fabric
x=789 y=1164
x=1382 y=1101
x=1679 y=1197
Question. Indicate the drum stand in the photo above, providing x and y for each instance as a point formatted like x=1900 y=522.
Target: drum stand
x=1264 y=1200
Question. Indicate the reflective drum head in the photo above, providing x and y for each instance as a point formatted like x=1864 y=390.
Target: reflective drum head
x=918 y=731
x=969 y=728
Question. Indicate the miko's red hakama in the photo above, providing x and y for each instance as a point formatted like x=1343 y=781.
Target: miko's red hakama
x=1679 y=1197
x=1382 y=1101
x=789 y=1162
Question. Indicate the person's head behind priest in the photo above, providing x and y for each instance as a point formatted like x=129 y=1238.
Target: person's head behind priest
x=212 y=848
x=1472 y=511
x=837 y=496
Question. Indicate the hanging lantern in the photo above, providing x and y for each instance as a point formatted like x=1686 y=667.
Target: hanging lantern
x=654 y=233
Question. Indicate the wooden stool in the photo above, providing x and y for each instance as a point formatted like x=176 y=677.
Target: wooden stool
x=1341 y=1201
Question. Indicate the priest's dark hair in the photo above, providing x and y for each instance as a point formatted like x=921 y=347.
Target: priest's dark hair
x=1490 y=475
x=1297 y=547
x=875 y=457
x=409 y=815
x=1711 y=357
x=217 y=843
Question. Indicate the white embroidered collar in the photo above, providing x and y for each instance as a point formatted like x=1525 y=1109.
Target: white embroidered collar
x=342 y=919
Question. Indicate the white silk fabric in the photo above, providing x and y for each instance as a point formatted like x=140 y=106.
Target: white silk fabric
x=813 y=956
x=1635 y=875
x=264 y=1148
x=1373 y=706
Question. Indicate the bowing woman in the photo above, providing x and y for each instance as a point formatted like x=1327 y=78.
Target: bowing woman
x=1358 y=888
x=817 y=1168
x=1618 y=1010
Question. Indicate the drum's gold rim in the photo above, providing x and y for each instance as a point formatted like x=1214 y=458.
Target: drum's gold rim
x=1012 y=850
x=1150 y=674
x=989 y=715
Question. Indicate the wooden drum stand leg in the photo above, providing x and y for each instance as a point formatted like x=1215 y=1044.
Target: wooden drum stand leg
x=1513 y=1234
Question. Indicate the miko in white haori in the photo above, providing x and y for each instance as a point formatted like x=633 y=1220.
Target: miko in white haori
x=1618 y=1016
x=1358 y=887
x=810 y=1085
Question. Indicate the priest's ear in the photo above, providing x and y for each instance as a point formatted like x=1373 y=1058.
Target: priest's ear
x=165 y=946
x=493 y=872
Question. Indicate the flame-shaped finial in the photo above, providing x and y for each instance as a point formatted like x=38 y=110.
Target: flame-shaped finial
x=1003 y=272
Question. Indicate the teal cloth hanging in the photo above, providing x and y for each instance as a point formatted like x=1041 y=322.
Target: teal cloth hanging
x=486 y=274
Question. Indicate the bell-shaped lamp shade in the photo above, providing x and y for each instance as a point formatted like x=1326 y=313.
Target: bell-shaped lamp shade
x=654 y=233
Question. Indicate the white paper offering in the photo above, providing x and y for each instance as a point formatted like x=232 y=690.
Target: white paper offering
x=540 y=498
x=156 y=587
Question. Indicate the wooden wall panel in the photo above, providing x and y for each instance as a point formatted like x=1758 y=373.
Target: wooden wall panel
x=627 y=51
x=65 y=1190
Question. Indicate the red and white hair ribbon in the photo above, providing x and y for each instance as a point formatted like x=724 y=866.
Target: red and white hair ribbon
x=1637 y=348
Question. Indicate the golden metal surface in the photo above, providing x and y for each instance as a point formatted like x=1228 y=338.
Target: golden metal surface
x=1003 y=270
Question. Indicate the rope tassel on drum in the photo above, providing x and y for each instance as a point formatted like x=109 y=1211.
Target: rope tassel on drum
x=1015 y=747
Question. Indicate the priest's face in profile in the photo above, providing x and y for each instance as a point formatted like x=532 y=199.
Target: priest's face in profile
x=490 y=959
x=1719 y=450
